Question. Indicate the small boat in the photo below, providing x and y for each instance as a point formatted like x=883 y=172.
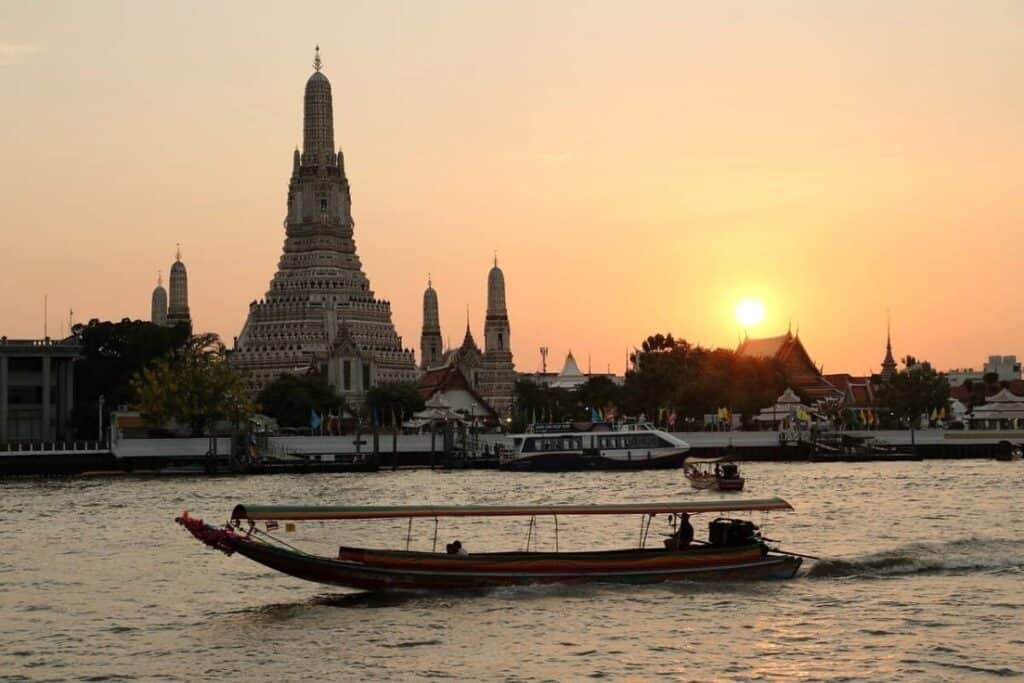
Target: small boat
x=630 y=447
x=734 y=550
x=1007 y=451
x=718 y=473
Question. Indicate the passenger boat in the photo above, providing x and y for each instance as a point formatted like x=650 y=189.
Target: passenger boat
x=718 y=473
x=630 y=447
x=734 y=550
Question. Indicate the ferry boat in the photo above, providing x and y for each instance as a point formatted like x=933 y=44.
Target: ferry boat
x=735 y=548
x=554 y=448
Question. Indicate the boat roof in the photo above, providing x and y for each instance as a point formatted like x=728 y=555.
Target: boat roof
x=708 y=461
x=283 y=512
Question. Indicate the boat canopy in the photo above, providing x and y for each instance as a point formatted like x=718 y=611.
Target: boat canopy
x=285 y=512
x=708 y=461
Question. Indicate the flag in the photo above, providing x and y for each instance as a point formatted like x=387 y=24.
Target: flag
x=314 y=419
x=272 y=525
x=935 y=414
x=289 y=526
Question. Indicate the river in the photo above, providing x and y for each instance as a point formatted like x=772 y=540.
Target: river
x=925 y=582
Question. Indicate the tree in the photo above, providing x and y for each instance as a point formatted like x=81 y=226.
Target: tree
x=193 y=386
x=292 y=399
x=112 y=353
x=915 y=390
x=393 y=402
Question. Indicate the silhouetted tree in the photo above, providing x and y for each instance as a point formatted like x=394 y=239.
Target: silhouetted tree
x=393 y=402
x=193 y=385
x=292 y=399
x=112 y=353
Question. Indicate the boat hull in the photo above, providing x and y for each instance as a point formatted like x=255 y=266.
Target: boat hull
x=575 y=461
x=393 y=570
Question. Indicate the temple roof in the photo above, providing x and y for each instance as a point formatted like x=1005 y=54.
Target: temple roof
x=768 y=347
x=788 y=350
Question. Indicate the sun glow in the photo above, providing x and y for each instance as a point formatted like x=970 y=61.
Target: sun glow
x=749 y=312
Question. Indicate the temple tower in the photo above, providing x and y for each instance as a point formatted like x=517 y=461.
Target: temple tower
x=888 y=363
x=320 y=312
x=158 y=306
x=430 y=341
x=177 y=312
x=497 y=371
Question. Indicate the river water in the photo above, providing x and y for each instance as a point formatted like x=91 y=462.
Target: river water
x=926 y=582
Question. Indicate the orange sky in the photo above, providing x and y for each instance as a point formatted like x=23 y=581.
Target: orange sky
x=638 y=167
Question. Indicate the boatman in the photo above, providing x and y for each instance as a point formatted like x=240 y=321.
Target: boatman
x=683 y=536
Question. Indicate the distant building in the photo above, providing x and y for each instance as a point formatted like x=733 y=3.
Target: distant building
x=37 y=388
x=320 y=311
x=158 y=305
x=800 y=370
x=1006 y=369
x=178 y=312
x=569 y=377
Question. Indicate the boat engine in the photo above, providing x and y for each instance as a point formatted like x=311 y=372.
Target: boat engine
x=732 y=532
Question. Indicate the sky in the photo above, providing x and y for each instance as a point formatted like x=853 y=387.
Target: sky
x=637 y=167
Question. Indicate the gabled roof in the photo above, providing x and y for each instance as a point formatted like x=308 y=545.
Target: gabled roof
x=789 y=351
x=768 y=347
x=449 y=378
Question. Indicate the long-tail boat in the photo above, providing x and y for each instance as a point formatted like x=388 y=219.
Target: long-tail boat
x=735 y=548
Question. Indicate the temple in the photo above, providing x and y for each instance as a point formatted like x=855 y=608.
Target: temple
x=489 y=373
x=789 y=351
x=320 y=312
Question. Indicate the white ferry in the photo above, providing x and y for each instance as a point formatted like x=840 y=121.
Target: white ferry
x=566 y=447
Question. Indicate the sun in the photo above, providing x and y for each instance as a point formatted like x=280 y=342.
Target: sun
x=749 y=312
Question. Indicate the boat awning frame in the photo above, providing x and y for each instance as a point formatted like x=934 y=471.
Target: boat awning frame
x=306 y=512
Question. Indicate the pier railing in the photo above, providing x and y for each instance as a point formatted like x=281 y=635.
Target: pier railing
x=36 y=448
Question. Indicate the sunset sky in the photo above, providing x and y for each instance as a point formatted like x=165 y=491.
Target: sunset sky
x=638 y=167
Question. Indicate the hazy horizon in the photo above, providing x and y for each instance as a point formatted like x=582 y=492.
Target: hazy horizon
x=637 y=170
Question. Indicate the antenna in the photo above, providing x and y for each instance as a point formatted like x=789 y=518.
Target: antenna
x=544 y=360
x=317 y=64
x=46 y=333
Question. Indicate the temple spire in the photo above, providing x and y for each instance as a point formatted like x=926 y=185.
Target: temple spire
x=318 y=119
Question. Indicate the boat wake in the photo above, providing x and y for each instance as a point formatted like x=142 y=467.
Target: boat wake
x=962 y=555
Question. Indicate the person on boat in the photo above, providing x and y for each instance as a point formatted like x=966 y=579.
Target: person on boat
x=455 y=548
x=683 y=536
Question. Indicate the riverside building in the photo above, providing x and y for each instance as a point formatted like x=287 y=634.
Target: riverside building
x=320 y=311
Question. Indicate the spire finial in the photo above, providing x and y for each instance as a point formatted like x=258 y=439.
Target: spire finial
x=467 y=317
x=495 y=258
x=430 y=282
x=178 y=255
x=317 y=64
x=159 y=278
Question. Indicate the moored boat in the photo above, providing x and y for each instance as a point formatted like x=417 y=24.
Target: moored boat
x=734 y=550
x=630 y=447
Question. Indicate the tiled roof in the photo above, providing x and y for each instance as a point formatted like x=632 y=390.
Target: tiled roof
x=768 y=347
